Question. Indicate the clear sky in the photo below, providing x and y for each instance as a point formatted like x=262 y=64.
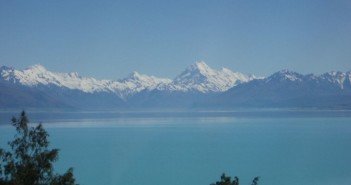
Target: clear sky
x=110 y=39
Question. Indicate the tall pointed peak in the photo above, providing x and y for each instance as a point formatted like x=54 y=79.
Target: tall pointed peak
x=201 y=65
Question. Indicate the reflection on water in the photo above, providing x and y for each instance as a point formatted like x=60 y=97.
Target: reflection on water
x=150 y=116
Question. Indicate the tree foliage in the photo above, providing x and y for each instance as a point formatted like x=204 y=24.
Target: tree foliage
x=226 y=180
x=30 y=161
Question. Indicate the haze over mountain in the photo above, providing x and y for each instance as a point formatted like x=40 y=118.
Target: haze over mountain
x=198 y=86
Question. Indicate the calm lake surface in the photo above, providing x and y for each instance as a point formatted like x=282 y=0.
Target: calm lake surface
x=195 y=148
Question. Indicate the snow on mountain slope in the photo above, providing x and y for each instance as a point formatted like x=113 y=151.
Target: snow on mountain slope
x=284 y=75
x=140 y=82
x=334 y=79
x=37 y=75
x=279 y=89
x=135 y=83
x=200 y=77
x=337 y=77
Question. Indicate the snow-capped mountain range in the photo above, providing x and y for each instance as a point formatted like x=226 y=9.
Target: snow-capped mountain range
x=198 y=86
x=197 y=77
x=337 y=79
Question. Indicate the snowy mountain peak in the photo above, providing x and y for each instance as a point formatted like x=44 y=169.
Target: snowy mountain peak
x=200 y=77
x=37 y=68
x=194 y=73
x=135 y=76
x=285 y=74
x=201 y=67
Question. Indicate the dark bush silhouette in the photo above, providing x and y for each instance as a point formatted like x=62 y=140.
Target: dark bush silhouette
x=30 y=161
x=226 y=180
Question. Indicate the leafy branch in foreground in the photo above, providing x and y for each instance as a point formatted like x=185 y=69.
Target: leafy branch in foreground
x=226 y=180
x=30 y=161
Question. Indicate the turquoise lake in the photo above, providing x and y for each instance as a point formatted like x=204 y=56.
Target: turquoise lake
x=195 y=148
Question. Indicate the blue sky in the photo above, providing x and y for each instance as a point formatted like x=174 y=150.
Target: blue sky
x=110 y=39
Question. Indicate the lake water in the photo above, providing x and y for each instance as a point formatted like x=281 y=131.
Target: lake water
x=195 y=148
